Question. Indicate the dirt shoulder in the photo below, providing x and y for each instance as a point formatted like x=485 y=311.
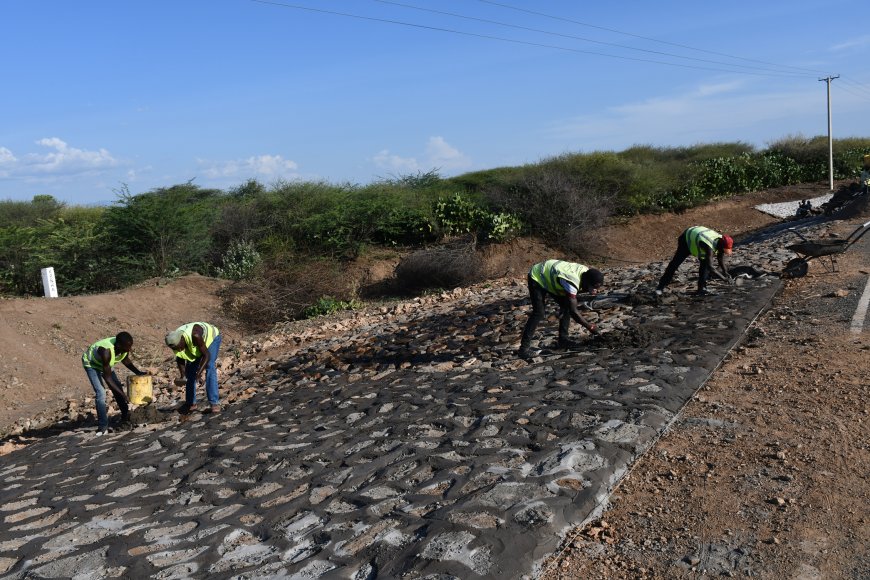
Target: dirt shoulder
x=646 y=238
x=43 y=340
x=765 y=472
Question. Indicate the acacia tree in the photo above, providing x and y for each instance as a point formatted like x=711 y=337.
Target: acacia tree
x=165 y=229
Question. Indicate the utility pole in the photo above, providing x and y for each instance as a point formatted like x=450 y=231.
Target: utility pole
x=830 y=137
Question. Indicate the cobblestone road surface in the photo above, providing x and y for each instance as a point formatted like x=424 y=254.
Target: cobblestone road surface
x=415 y=447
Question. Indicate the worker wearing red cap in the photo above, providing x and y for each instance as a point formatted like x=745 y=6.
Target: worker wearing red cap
x=702 y=243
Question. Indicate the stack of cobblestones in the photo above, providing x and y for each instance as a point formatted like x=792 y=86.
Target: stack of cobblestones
x=409 y=442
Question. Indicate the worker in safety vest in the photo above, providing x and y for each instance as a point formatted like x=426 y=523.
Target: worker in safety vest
x=562 y=281
x=702 y=243
x=196 y=346
x=98 y=361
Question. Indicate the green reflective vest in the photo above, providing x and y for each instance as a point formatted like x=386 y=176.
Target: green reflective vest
x=91 y=359
x=699 y=239
x=547 y=274
x=191 y=352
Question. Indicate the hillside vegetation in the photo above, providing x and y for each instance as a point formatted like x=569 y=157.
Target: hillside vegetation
x=290 y=244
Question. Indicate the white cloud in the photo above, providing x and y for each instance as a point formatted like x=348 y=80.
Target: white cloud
x=66 y=159
x=441 y=154
x=708 y=90
x=708 y=113
x=61 y=161
x=860 y=42
x=6 y=156
x=7 y=161
x=135 y=174
x=386 y=160
x=268 y=166
x=437 y=154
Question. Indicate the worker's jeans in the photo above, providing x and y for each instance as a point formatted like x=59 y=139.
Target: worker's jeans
x=96 y=378
x=191 y=369
x=538 y=296
x=680 y=257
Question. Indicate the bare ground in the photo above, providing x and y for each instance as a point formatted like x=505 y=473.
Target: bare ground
x=764 y=474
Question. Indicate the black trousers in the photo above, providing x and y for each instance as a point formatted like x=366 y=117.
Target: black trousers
x=538 y=296
x=680 y=257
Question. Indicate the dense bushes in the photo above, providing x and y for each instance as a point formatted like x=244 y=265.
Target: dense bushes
x=290 y=241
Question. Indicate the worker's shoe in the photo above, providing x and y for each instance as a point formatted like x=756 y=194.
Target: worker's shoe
x=524 y=353
x=212 y=409
x=566 y=344
x=703 y=292
x=187 y=408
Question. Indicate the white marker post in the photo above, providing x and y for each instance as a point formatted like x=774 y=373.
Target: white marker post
x=48 y=283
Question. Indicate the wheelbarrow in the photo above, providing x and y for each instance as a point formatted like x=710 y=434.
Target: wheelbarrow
x=825 y=250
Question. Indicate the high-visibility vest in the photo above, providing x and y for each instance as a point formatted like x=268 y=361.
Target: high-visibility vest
x=191 y=351
x=547 y=274
x=698 y=236
x=91 y=359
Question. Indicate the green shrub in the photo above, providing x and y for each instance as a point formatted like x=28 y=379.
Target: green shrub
x=240 y=261
x=326 y=305
x=458 y=215
x=403 y=227
x=501 y=227
x=557 y=206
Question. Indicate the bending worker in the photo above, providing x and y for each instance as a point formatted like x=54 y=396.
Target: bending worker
x=561 y=281
x=196 y=346
x=98 y=361
x=702 y=243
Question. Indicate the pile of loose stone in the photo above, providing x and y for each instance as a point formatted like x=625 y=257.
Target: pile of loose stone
x=404 y=442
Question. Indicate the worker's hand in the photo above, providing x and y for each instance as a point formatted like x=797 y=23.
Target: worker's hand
x=592 y=328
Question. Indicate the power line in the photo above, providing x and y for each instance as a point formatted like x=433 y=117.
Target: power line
x=573 y=37
x=517 y=8
x=860 y=86
x=864 y=96
x=521 y=42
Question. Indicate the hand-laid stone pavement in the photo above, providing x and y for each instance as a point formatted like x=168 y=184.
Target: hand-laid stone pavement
x=414 y=446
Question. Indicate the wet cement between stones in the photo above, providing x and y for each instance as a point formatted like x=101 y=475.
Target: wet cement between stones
x=466 y=464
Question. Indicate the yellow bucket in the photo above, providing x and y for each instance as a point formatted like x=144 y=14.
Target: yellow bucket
x=139 y=389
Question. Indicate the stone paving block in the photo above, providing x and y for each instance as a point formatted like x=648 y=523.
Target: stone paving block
x=415 y=446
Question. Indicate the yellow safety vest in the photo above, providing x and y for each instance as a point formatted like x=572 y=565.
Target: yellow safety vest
x=191 y=352
x=698 y=237
x=547 y=274
x=91 y=359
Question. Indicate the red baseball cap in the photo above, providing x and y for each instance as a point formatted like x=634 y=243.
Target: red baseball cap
x=727 y=244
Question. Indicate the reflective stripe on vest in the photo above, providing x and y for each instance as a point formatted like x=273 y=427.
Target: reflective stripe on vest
x=697 y=235
x=191 y=352
x=91 y=359
x=547 y=274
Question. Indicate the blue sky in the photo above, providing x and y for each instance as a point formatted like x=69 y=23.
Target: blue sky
x=102 y=94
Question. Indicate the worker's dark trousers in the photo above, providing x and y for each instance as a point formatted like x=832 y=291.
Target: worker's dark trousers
x=680 y=257
x=538 y=295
